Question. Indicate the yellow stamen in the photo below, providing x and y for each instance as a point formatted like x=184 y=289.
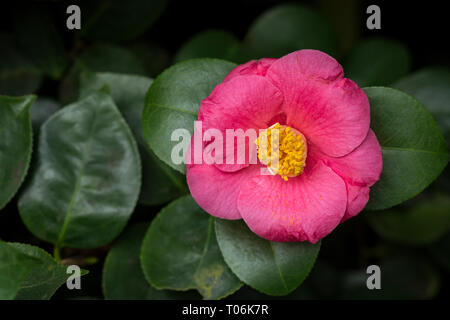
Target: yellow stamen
x=283 y=149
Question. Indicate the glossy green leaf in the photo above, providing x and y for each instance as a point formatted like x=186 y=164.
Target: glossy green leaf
x=42 y=109
x=174 y=99
x=287 y=28
x=40 y=41
x=18 y=75
x=28 y=272
x=15 y=144
x=209 y=44
x=15 y=266
x=180 y=252
x=111 y=20
x=431 y=86
x=414 y=150
x=420 y=223
x=123 y=278
x=88 y=176
x=98 y=58
x=43 y=281
x=402 y=277
x=160 y=182
x=273 y=268
x=377 y=62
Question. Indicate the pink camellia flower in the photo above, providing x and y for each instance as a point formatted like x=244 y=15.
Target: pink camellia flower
x=329 y=157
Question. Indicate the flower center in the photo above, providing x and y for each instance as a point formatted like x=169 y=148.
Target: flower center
x=283 y=150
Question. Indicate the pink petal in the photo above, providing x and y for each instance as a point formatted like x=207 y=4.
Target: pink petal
x=243 y=102
x=331 y=111
x=216 y=191
x=307 y=207
x=253 y=67
x=360 y=169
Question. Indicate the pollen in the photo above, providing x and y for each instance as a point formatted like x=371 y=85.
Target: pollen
x=283 y=150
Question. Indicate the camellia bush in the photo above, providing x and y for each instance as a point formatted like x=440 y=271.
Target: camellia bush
x=242 y=168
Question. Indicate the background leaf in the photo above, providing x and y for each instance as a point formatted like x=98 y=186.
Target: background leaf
x=40 y=40
x=414 y=150
x=174 y=99
x=123 y=278
x=185 y=231
x=43 y=281
x=420 y=223
x=209 y=44
x=98 y=58
x=14 y=269
x=287 y=28
x=109 y=20
x=15 y=144
x=42 y=109
x=377 y=62
x=431 y=86
x=18 y=75
x=274 y=268
x=88 y=176
x=160 y=182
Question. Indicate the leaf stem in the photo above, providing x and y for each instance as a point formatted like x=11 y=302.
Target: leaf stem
x=57 y=253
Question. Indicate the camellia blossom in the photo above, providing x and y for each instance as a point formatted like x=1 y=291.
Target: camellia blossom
x=328 y=155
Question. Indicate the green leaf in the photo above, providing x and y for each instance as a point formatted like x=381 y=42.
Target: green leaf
x=287 y=28
x=418 y=224
x=123 y=278
x=180 y=252
x=174 y=99
x=414 y=150
x=160 y=182
x=431 y=86
x=403 y=276
x=43 y=281
x=14 y=269
x=18 y=75
x=111 y=20
x=39 y=39
x=28 y=272
x=42 y=109
x=15 y=144
x=209 y=44
x=88 y=176
x=377 y=62
x=98 y=58
x=273 y=268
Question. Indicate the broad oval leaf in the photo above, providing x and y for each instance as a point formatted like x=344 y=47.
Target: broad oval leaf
x=174 y=99
x=431 y=86
x=111 y=20
x=123 y=278
x=15 y=144
x=287 y=28
x=160 y=182
x=414 y=150
x=377 y=62
x=273 y=268
x=98 y=58
x=88 y=176
x=420 y=223
x=28 y=272
x=180 y=252
x=209 y=44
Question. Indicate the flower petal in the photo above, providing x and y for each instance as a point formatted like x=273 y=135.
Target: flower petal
x=216 y=191
x=253 y=67
x=360 y=169
x=307 y=207
x=331 y=111
x=244 y=102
